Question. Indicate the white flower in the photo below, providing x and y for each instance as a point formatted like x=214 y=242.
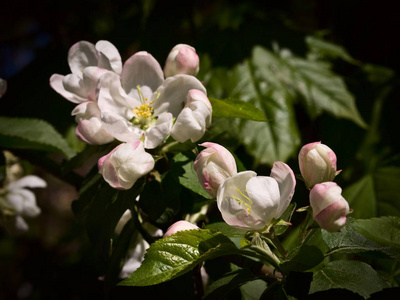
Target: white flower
x=87 y=63
x=23 y=201
x=125 y=164
x=141 y=104
x=250 y=202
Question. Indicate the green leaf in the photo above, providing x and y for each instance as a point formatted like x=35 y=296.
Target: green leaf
x=278 y=138
x=226 y=229
x=319 y=48
x=387 y=187
x=355 y=276
x=177 y=254
x=227 y=283
x=236 y=108
x=362 y=198
x=183 y=169
x=384 y=231
x=100 y=207
x=252 y=290
x=32 y=134
x=348 y=240
x=322 y=90
x=286 y=216
x=302 y=259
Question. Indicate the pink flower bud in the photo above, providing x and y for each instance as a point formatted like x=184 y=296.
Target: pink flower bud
x=213 y=165
x=317 y=163
x=329 y=207
x=125 y=164
x=180 y=226
x=182 y=60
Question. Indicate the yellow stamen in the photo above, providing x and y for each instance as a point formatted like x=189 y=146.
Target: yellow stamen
x=243 y=202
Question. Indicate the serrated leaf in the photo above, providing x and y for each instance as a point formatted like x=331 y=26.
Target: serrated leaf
x=348 y=240
x=278 y=138
x=226 y=229
x=221 y=287
x=302 y=259
x=384 y=231
x=177 y=254
x=236 y=108
x=319 y=48
x=355 y=276
x=32 y=134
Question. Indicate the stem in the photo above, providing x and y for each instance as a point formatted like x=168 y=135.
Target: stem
x=276 y=242
x=198 y=281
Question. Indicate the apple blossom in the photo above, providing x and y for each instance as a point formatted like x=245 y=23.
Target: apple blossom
x=125 y=164
x=317 y=163
x=180 y=226
x=194 y=118
x=329 y=206
x=140 y=104
x=90 y=129
x=22 y=200
x=250 y=202
x=182 y=60
x=213 y=165
x=88 y=63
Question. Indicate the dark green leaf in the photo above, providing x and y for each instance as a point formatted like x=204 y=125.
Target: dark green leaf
x=319 y=48
x=235 y=108
x=355 y=276
x=183 y=169
x=32 y=134
x=175 y=255
x=100 y=207
x=302 y=259
x=226 y=229
x=362 y=198
x=384 y=231
x=230 y=281
x=348 y=240
x=387 y=187
x=252 y=290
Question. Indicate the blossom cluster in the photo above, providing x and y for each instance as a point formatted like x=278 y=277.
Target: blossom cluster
x=253 y=202
x=136 y=103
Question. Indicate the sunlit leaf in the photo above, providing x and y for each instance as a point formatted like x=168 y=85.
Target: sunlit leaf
x=177 y=254
x=32 y=134
x=235 y=108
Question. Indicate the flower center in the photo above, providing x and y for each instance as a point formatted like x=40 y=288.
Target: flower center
x=144 y=113
x=247 y=203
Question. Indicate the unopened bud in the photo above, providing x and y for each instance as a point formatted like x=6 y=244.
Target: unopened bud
x=329 y=206
x=317 y=163
x=213 y=165
x=182 y=60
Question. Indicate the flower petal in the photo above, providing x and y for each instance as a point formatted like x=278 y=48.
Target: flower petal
x=264 y=192
x=110 y=58
x=173 y=93
x=141 y=69
x=156 y=134
x=188 y=125
x=56 y=82
x=120 y=128
x=284 y=175
x=81 y=55
x=30 y=181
